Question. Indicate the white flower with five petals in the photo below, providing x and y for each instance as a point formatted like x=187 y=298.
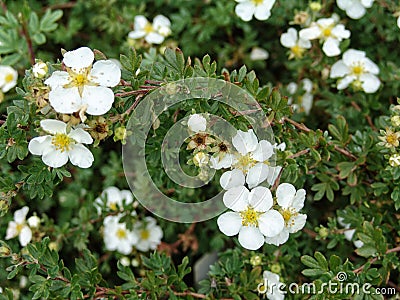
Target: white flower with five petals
x=252 y=217
x=357 y=69
x=261 y=9
x=114 y=198
x=153 y=33
x=290 y=202
x=296 y=45
x=117 y=237
x=83 y=87
x=61 y=145
x=355 y=9
x=149 y=234
x=250 y=163
x=329 y=32
x=18 y=227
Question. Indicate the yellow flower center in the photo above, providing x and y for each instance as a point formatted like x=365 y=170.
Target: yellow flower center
x=287 y=214
x=392 y=139
x=121 y=233
x=257 y=2
x=250 y=217
x=357 y=69
x=148 y=28
x=9 y=78
x=79 y=79
x=245 y=162
x=62 y=142
x=297 y=51
x=144 y=234
x=113 y=206
x=19 y=227
x=327 y=31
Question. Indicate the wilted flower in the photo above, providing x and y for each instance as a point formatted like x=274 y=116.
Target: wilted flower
x=261 y=9
x=18 y=227
x=115 y=198
x=355 y=9
x=329 y=32
x=8 y=78
x=153 y=33
x=357 y=69
x=83 y=87
x=290 y=202
x=296 y=45
x=149 y=234
x=252 y=217
x=61 y=145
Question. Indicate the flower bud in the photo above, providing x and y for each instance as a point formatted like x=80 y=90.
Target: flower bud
x=39 y=69
x=255 y=260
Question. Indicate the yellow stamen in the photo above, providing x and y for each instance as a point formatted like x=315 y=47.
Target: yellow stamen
x=297 y=51
x=245 y=162
x=250 y=217
x=121 y=233
x=327 y=31
x=19 y=227
x=9 y=78
x=148 y=28
x=62 y=142
x=113 y=206
x=392 y=139
x=357 y=69
x=257 y=2
x=287 y=214
x=144 y=234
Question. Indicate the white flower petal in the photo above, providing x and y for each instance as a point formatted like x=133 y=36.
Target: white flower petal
x=257 y=174
x=80 y=136
x=40 y=145
x=237 y=198
x=370 y=83
x=251 y=238
x=344 y=83
x=106 y=73
x=298 y=200
x=262 y=12
x=331 y=47
x=12 y=231
x=25 y=236
x=307 y=102
x=339 y=69
x=232 y=179
x=370 y=66
x=98 y=98
x=161 y=21
x=20 y=215
x=57 y=79
x=289 y=38
x=278 y=239
x=245 y=142
x=271 y=223
x=398 y=22
x=55 y=158
x=273 y=173
x=297 y=223
x=340 y=32
x=222 y=163
x=343 y=4
x=127 y=196
x=311 y=33
x=260 y=198
x=81 y=156
x=197 y=123
x=258 y=53
x=245 y=10
x=349 y=234
x=285 y=194
x=356 y=10
x=140 y=22
x=351 y=56
x=229 y=223
x=136 y=34
x=263 y=151
x=358 y=244
x=65 y=101
x=53 y=126
x=79 y=58
x=154 y=38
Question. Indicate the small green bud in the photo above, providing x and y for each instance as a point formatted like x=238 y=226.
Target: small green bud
x=276 y=268
x=255 y=260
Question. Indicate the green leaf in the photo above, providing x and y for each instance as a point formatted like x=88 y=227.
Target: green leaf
x=49 y=20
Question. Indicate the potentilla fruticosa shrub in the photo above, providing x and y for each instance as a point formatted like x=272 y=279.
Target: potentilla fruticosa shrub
x=230 y=149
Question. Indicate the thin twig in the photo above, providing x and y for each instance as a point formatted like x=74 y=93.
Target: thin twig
x=371 y=261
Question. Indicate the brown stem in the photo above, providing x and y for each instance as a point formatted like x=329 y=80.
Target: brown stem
x=371 y=261
x=25 y=33
x=300 y=153
x=369 y=120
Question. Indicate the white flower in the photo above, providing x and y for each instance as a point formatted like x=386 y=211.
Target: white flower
x=83 y=87
x=270 y=287
x=356 y=68
x=306 y=100
x=349 y=233
x=117 y=237
x=125 y=261
x=114 y=198
x=327 y=31
x=19 y=228
x=261 y=9
x=258 y=53
x=8 y=78
x=197 y=123
x=153 y=33
x=249 y=163
x=252 y=217
x=394 y=160
x=39 y=69
x=398 y=22
x=34 y=221
x=296 y=45
x=60 y=146
x=149 y=234
x=355 y=9
x=291 y=202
